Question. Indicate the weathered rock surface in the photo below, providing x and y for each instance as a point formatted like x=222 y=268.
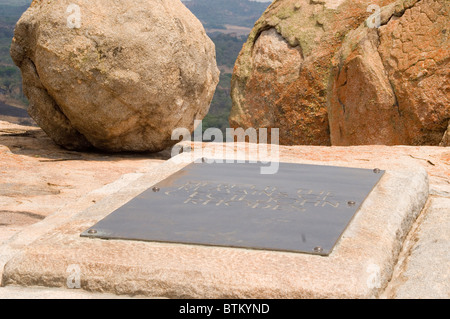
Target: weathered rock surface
x=121 y=77
x=275 y=65
x=290 y=91
x=38 y=178
x=349 y=83
x=58 y=184
x=424 y=270
x=391 y=85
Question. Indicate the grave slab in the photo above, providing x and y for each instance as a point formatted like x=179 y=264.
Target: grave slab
x=359 y=266
x=301 y=208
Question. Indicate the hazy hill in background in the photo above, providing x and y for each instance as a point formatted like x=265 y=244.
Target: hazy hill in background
x=16 y=2
x=218 y=13
x=12 y=100
x=228 y=22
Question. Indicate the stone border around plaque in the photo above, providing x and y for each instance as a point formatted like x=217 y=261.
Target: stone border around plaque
x=359 y=266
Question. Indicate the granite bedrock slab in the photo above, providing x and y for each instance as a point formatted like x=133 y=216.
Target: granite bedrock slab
x=360 y=265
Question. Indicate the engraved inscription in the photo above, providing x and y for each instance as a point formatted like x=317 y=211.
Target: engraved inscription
x=252 y=196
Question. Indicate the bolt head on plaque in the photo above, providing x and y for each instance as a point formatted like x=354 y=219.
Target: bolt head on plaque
x=318 y=250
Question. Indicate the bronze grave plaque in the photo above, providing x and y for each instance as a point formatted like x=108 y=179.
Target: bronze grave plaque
x=302 y=208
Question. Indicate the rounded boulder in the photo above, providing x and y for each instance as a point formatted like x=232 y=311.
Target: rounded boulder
x=114 y=75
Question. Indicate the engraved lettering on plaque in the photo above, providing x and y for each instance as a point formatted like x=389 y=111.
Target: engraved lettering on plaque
x=251 y=196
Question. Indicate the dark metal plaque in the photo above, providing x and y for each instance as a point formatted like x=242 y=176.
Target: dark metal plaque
x=302 y=208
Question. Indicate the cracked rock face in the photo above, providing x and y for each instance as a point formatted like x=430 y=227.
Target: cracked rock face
x=114 y=75
x=349 y=84
x=391 y=85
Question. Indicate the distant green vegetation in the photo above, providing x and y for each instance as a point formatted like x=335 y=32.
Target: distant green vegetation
x=227 y=50
x=11 y=83
x=8 y=17
x=16 y=3
x=5 y=43
x=10 y=77
x=221 y=105
x=215 y=13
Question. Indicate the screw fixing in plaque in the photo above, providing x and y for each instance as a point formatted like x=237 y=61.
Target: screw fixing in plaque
x=318 y=249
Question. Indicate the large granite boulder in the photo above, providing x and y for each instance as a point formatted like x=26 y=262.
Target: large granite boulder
x=114 y=75
x=325 y=75
x=391 y=85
